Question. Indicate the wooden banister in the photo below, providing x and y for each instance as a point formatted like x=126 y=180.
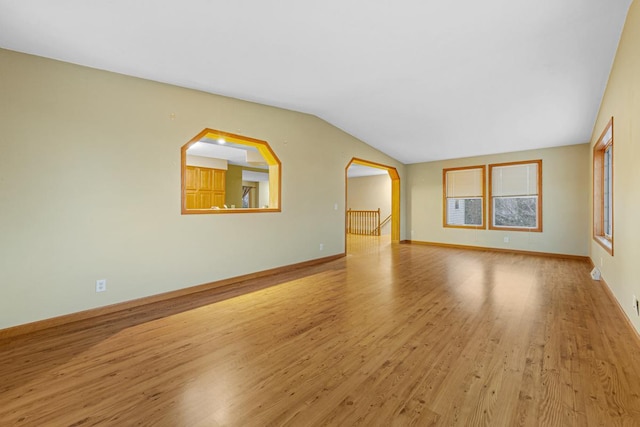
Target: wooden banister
x=363 y=222
x=384 y=222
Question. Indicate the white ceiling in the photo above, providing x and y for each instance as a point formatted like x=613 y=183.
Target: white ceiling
x=420 y=80
x=235 y=154
x=232 y=155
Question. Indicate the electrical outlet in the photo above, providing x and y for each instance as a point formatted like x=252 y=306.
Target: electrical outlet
x=601 y=261
x=321 y=246
x=101 y=285
x=506 y=239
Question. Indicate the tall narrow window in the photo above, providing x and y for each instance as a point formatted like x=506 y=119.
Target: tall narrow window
x=603 y=189
x=516 y=196
x=464 y=196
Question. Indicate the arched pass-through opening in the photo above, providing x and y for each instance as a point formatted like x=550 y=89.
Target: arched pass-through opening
x=395 y=193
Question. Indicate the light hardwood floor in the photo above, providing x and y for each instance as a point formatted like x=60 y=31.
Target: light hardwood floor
x=389 y=335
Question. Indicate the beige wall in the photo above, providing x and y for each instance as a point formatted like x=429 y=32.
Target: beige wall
x=622 y=102
x=565 y=192
x=90 y=189
x=263 y=194
x=371 y=193
x=234 y=183
x=233 y=186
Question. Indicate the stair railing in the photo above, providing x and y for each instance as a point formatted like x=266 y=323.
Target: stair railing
x=363 y=222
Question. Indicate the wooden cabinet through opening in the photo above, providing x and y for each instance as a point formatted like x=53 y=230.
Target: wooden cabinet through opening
x=205 y=188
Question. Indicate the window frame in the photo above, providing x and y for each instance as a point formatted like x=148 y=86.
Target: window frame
x=599 y=150
x=538 y=228
x=483 y=197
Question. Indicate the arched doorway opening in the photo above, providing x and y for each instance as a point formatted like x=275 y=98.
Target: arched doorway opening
x=395 y=193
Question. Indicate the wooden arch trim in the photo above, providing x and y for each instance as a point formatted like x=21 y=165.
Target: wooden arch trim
x=395 y=192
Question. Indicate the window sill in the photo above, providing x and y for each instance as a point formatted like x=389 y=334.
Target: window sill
x=228 y=211
x=528 y=230
x=473 y=227
x=605 y=243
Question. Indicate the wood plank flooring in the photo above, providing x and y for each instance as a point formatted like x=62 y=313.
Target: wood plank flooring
x=389 y=335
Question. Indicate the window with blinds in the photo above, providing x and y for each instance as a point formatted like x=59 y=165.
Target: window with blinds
x=516 y=196
x=464 y=193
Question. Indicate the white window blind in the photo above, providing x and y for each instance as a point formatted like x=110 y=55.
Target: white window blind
x=464 y=183
x=515 y=180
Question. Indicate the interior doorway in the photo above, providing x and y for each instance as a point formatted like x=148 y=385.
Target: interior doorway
x=365 y=221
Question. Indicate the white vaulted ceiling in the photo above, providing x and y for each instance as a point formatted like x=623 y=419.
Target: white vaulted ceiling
x=420 y=80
